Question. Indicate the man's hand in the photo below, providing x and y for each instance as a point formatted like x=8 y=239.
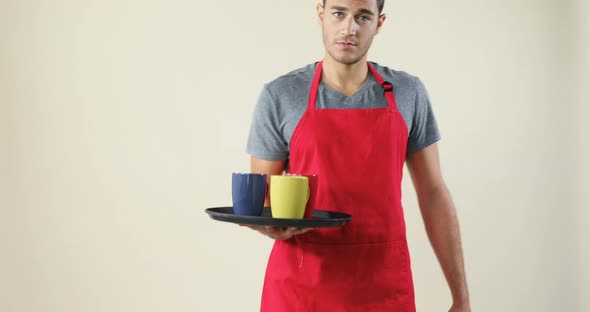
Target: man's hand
x=278 y=232
x=463 y=307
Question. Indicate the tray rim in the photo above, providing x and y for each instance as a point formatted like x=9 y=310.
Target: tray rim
x=217 y=215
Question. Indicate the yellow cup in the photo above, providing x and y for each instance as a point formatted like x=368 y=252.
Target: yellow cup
x=288 y=196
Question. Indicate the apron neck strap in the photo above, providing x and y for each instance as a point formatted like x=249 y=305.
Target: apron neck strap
x=315 y=83
x=317 y=78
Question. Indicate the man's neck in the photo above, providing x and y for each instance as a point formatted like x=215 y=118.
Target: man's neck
x=343 y=78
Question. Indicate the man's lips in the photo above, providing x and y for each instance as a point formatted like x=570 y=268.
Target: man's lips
x=346 y=43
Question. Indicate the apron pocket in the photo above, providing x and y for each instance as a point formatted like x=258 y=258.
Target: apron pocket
x=366 y=275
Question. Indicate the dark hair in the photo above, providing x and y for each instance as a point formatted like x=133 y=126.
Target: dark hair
x=380 y=4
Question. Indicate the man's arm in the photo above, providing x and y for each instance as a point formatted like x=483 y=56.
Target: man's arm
x=440 y=220
x=272 y=167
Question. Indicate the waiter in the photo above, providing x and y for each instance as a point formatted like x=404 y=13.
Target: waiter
x=353 y=123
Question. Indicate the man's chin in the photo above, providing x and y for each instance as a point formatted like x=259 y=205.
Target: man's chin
x=347 y=60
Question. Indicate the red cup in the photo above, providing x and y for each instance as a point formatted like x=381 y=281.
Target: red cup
x=313 y=191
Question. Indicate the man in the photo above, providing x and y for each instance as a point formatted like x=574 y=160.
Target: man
x=354 y=124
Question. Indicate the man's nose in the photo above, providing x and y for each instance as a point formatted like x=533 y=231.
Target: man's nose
x=350 y=26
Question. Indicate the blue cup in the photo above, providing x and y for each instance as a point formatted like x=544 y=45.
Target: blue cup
x=248 y=193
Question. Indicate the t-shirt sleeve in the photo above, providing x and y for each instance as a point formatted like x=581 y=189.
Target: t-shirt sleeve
x=266 y=140
x=424 y=131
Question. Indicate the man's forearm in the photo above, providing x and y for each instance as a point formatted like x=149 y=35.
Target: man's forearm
x=442 y=227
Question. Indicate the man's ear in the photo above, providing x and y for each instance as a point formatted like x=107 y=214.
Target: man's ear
x=380 y=22
x=320 y=11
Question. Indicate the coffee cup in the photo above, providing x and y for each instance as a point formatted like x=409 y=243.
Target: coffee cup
x=288 y=196
x=248 y=193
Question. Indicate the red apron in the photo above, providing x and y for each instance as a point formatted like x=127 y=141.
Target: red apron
x=358 y=155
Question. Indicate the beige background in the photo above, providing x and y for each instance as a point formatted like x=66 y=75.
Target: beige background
x=121 y=121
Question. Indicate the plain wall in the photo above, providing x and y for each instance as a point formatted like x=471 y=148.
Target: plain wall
x=121 y=121
x=582 y=122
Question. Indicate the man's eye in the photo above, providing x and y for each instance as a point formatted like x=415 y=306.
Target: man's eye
x=364 y=18
x=338 y=14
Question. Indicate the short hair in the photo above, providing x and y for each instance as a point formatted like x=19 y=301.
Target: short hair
x=380 y=4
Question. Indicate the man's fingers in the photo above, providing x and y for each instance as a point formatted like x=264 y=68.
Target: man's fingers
x=292 y=231
x=303 y=230
x=280 y=233
x=295 y=231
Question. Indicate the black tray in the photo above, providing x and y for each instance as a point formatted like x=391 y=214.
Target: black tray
x=320 y=218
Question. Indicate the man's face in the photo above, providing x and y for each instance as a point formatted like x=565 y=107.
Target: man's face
x=348 y=28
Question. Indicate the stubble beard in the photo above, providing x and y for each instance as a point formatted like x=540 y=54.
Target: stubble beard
x=348 y=60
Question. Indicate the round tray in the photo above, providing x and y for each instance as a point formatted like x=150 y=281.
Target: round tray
x=320 y=218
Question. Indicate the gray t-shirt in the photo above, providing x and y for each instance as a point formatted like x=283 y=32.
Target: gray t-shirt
x=283 y=101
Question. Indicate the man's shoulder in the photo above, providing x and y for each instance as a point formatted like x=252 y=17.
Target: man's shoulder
x=400 y=80
x=292 y=80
